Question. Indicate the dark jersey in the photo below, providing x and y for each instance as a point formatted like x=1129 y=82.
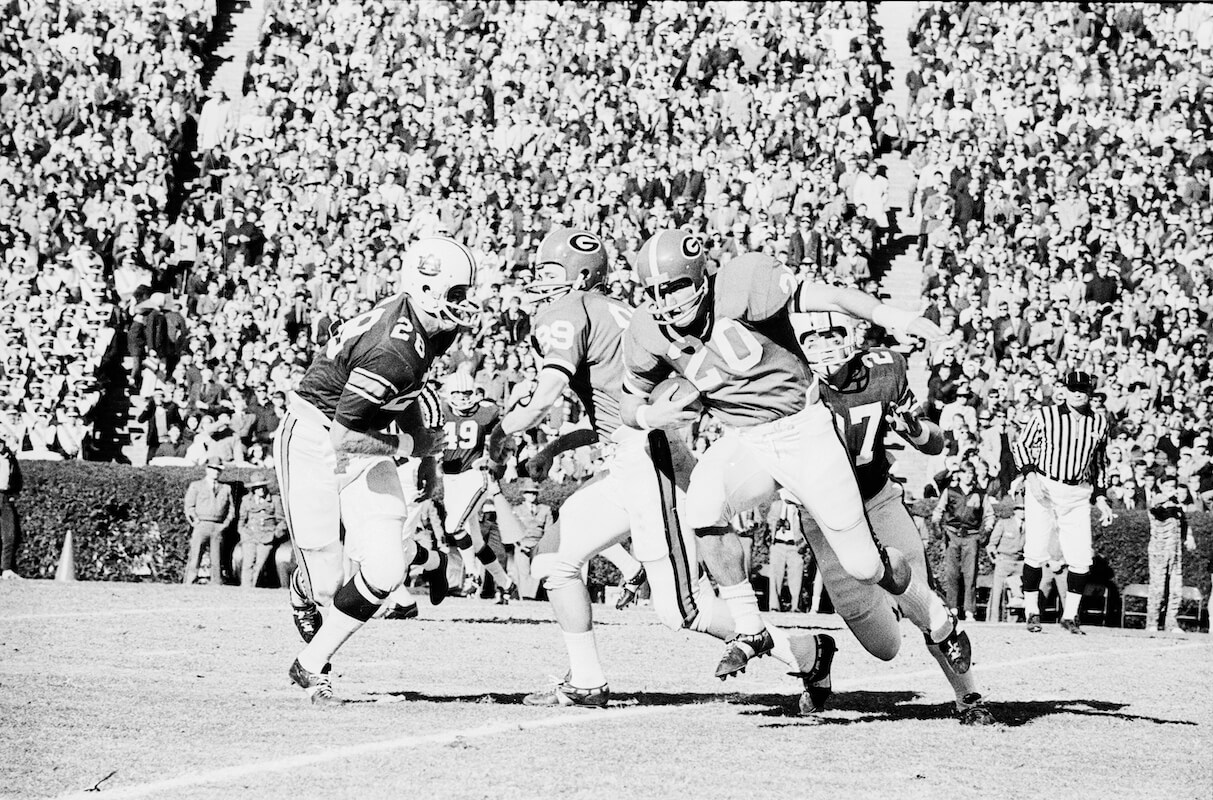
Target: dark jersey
x=581 y=334
x=373 y=368
x=466 y=434
x=870 y=390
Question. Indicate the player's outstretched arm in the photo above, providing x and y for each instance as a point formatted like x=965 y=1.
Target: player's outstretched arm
x=530 y=412
x=898 y=321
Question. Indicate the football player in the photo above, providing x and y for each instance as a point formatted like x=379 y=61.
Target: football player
x=579 y=333
x=466 y=425
x=336 y=461
x=868 y=391
x=730 y=335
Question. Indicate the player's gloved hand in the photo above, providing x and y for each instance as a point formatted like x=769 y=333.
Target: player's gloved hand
x=538 y=466
x=498 y=444
x=666 y=411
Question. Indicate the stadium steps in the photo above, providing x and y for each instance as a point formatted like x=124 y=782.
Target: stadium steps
x=902 y=283
x=243 y=37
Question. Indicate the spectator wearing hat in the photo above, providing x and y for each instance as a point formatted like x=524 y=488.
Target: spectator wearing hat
x=534 y=519
x=958 y=514
x=209 y=509
x=1062 y=451
x=1005 y=548
x=262 y=525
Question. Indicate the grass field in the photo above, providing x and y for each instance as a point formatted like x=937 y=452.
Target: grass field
x=167 y=691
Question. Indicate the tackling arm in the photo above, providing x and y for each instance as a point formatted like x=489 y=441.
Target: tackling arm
x=528 y=414
x=823 y=297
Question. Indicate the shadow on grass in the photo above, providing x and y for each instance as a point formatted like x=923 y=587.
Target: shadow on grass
x=774 y=704
x=896 y=706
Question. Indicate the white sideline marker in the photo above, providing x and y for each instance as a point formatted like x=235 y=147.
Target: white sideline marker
x=571 y=717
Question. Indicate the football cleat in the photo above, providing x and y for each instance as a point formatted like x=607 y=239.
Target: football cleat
x=740 y=649
x=565 y=694
x=437 y=581
x=631 y=590
x=305 y=612
x=402 y=612
x=957 y=649
x=317 y=685
x=504 y=596
x=972 y=710
x=1034 y=623
x=1073 y=627
x=818 y=685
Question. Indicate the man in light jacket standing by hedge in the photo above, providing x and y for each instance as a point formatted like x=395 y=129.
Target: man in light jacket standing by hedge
x=209 y=509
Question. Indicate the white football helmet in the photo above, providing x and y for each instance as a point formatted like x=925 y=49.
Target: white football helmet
x=828 y=340
x=438 y=274
x=460 y=392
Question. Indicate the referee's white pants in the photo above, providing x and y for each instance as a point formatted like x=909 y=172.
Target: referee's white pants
x=1055 y=511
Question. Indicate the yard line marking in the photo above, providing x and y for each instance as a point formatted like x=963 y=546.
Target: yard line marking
x=311 y=759
x=122 y=613
x=570 y=718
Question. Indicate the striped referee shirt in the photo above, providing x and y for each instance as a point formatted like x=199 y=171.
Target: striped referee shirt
x=1065 y=445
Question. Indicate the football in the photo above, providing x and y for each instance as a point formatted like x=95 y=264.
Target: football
x=681 y=387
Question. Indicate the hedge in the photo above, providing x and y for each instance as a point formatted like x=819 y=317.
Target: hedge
x=128 y=524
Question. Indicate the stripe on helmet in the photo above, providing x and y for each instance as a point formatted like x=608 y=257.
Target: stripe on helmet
x=654 y=272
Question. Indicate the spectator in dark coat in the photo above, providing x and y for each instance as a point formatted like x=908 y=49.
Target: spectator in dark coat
x=515 y=322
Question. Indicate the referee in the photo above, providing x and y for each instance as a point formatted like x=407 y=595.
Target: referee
x=1062 y=451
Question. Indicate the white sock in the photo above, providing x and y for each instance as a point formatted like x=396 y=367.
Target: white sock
x=743 y=605
x=338 y=627
x=624 y=561
x=925 y=609
x=431 y=562
x=1072 y=602
x=1031 y=603
x=783 y=646
x=583 y=660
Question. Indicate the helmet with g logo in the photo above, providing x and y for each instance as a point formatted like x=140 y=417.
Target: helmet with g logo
x=568 y=259
x=669 y=261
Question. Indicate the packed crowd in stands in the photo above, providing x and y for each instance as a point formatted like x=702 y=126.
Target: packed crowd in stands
x=1064 y=195
x=93 y=100
x=365 y=128
x=1066 y=222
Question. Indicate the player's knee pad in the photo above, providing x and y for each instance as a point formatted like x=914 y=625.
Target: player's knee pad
x=360 y=599
x=561 y=572
x=485 y=555
x=713 y=530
